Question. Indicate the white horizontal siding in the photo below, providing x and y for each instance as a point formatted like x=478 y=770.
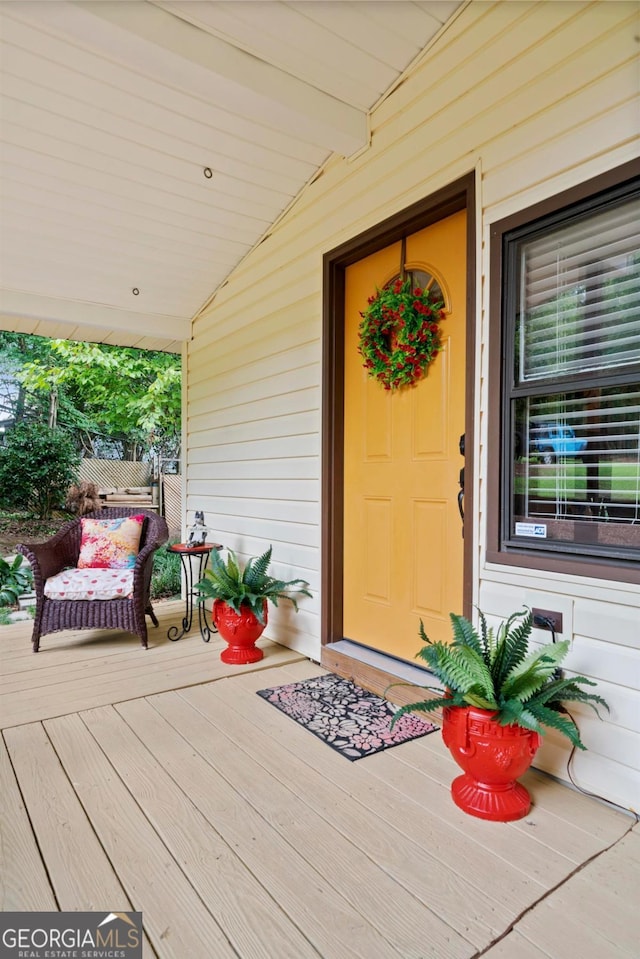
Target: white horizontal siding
x=271 y=407
x=293 y=468
x=591 y=771
x=611 y=623
x=605 y=647
x=246 y=375
x=535 y=97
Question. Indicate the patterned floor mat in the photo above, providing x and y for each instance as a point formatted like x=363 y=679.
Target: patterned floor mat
x=348 y=718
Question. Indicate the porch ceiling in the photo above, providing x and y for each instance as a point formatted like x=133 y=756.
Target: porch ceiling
x=150 y=145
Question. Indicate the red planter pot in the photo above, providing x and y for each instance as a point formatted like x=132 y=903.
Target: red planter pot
x=240 y=631
x=492 y=757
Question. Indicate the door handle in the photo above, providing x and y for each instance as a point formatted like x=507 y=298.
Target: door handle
x=461 y=494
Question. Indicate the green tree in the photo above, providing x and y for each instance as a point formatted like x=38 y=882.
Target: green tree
x=37 y=466
x=101 y=393
x=16 y=350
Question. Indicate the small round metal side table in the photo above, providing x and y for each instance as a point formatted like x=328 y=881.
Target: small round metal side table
x=187 y=554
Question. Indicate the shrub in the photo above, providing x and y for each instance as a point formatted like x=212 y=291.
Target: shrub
x=6 y=614
x=15 y=579
x=37 y=467
x=166 y=576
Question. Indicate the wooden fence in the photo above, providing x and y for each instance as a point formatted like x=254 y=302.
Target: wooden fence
x=107 y=474
x=118 y=473
x=171 y=499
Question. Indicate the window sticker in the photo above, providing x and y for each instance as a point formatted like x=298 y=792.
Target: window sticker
x=532 y=529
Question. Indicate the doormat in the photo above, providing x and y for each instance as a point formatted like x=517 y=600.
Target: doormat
x=348 y=718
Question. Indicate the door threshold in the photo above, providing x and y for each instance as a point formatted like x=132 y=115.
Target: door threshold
x=394 y=679
x=404 y=671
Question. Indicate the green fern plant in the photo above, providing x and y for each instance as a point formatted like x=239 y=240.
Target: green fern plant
x=248 y=585
x=495 y=670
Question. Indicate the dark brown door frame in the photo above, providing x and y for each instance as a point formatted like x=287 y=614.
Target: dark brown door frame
x=452 y=198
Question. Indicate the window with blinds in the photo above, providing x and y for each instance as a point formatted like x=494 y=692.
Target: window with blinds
x=571 y=411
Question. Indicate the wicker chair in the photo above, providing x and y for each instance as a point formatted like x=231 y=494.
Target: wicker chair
x=62 y=551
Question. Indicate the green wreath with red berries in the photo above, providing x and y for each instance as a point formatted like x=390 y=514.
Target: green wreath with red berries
x=400 y=333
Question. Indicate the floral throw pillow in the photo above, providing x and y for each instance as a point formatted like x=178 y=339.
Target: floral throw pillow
x=110 y=543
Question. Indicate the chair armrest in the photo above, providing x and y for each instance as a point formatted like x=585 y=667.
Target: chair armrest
x=156 y=534
x=55 y=554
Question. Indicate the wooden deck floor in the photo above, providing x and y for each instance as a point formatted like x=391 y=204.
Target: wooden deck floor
x=159 y=781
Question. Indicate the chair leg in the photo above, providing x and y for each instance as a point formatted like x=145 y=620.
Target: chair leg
x=141 y=631
x=149 y=611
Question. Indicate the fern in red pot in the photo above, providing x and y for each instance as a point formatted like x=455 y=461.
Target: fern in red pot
x=240 y=597
x=499 y=696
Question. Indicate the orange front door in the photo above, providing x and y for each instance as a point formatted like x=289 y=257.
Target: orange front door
x=403 y=546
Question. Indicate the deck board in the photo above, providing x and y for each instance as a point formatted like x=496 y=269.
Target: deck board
x=159 y=781
x=285 y=794
x=335 y=930
x=153 y=880
x=419 y=852
x=79 y=870
x=77 y=670
x=590 y=914
x=550 y=843
x=24 y=885
x=211 y=865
